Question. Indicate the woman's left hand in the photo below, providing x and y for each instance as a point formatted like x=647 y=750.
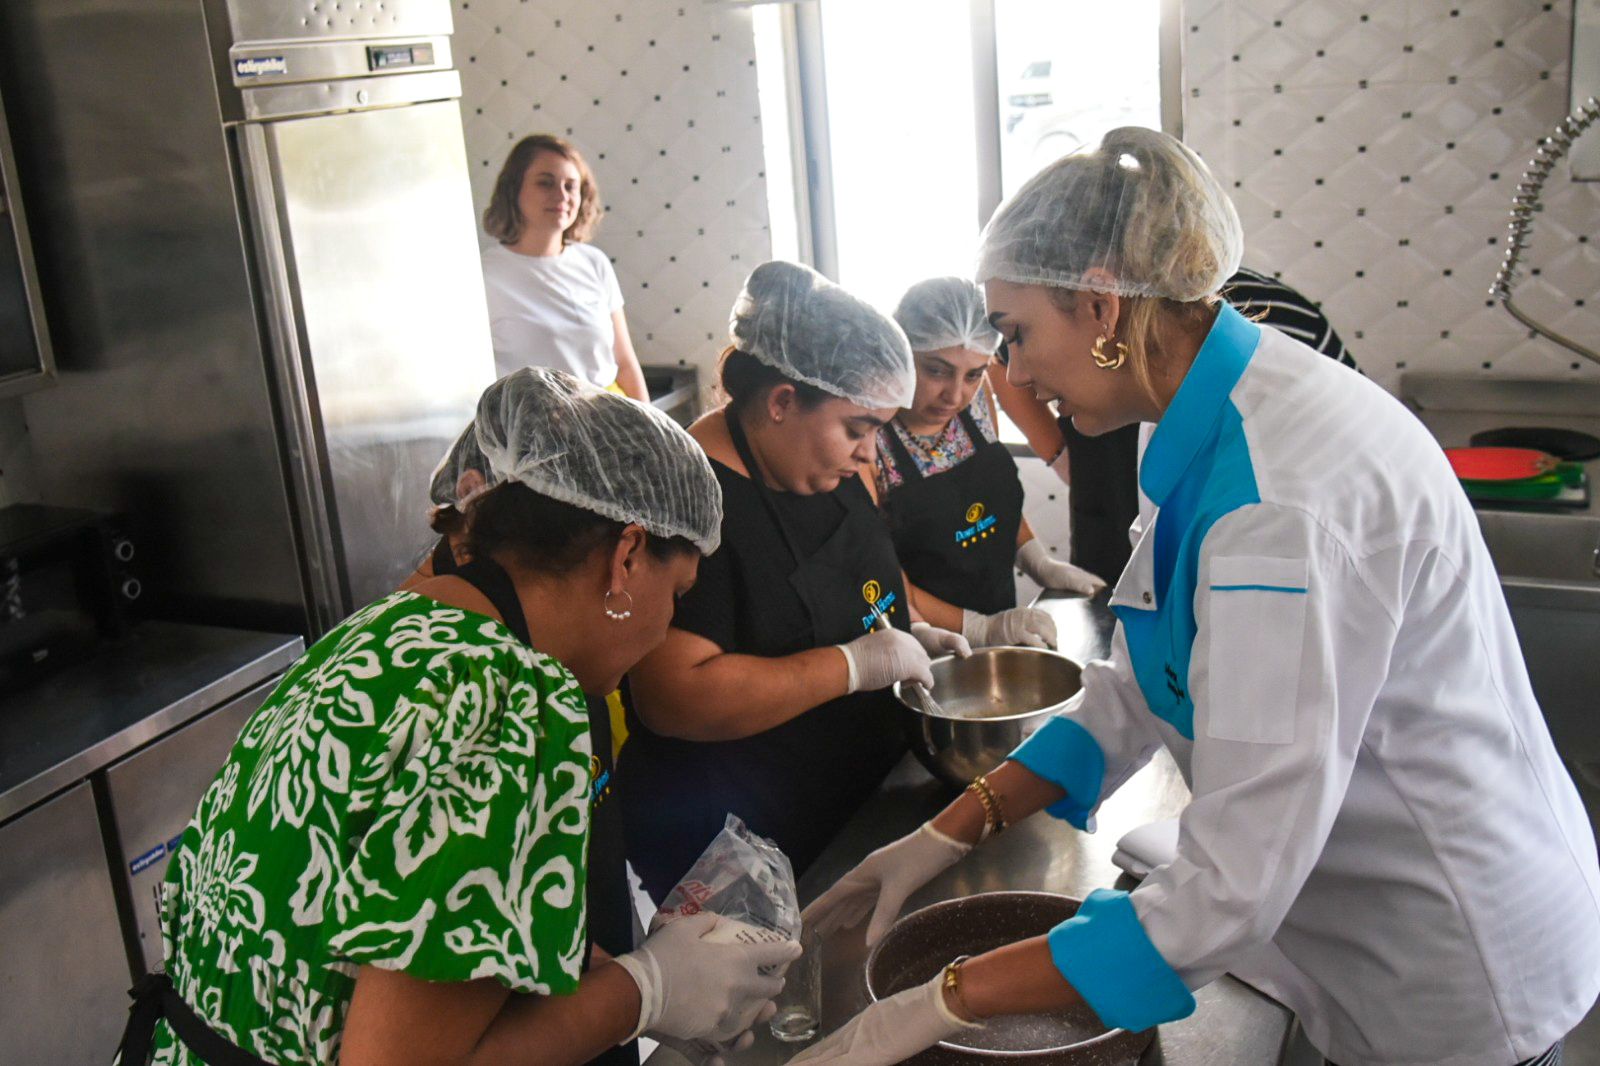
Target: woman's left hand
x=1051 y=573
x=889 y=1031
x=1026 y=627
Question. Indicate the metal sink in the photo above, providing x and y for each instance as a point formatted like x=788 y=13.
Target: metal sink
x=1549 y=551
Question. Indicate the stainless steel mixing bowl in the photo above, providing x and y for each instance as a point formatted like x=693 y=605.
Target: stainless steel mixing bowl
x=919 y=946
x=990 y=701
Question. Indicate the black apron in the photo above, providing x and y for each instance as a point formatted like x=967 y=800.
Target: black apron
x=799 y=782
x=609 y=903
x=444 y=560
x=956 y=531
x=1103 y=498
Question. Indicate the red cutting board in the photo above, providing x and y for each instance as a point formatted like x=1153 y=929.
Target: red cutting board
x=1500 y=464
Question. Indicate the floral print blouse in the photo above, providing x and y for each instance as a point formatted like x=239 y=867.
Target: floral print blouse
x=413 y=796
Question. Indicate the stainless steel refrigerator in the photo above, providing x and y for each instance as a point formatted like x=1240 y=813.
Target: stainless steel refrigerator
x=258 y=257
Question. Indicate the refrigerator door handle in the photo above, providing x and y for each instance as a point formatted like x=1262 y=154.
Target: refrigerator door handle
x=311 y=494
x=269 y=102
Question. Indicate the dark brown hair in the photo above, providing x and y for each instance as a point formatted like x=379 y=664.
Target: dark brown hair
x=503 y=220
x=746 y=378
x=546 y=535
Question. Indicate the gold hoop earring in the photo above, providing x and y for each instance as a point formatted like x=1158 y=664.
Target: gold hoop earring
x=1104 y=361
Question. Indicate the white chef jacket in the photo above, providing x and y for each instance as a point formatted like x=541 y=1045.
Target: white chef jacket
x=1381 y=833
x=553 y=311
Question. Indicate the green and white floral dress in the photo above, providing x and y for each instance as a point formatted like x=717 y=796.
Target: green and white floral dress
x=413 y=796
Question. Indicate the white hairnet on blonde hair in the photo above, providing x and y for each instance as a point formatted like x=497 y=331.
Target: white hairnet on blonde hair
x=946 y=313
x=803 y=325
x=1141 y=207
x=581 y=444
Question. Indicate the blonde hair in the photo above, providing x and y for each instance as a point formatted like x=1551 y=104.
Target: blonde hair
x=1144 y=321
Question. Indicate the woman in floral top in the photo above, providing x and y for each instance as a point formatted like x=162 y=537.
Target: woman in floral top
x=390 y=866
x=950 y=489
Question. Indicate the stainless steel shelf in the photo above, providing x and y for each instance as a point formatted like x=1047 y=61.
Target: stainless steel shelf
x=156 y=679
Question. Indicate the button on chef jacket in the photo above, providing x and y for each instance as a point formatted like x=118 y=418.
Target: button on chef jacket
x=1381 y=833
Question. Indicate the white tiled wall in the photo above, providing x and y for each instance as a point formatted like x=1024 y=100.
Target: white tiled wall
x=1373 y=148
x=661 y=98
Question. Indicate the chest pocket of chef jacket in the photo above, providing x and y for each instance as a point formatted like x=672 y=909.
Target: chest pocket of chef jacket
x=1256 y=615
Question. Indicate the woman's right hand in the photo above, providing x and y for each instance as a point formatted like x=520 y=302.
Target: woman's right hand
x=882 y=882
x=883 y=657
x=695 y=987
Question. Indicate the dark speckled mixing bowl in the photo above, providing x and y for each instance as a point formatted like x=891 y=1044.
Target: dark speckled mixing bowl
x=921 y=944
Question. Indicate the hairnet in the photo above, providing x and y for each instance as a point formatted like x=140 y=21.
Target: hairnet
x=583 y=445
x=1141 y=206
x=800 y=323
x=463 y=455
x=946 y=313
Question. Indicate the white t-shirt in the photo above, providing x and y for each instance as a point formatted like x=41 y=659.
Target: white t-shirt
x=553 y=311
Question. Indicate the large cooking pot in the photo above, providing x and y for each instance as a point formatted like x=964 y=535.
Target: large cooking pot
x=986 y=704
x=921 y=944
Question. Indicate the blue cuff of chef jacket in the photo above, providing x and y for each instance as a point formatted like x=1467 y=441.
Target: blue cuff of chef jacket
x=1065 y=753
x=1104 y=954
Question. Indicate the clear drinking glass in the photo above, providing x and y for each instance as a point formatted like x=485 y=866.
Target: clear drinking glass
x=800 y=1003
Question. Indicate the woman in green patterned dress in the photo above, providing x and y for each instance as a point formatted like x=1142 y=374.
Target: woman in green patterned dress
x=390 y=866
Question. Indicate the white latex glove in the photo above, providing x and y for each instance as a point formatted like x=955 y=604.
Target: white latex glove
x=882 y=881
x=1051 y=573
x=708 y=1054
x=937 y=642
x=890 y=1030
x=1027 y=626
x=691 y=987
x=883 y=657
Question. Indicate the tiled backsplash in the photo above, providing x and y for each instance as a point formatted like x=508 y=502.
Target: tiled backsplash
x=661 y=99
x=1373 y=150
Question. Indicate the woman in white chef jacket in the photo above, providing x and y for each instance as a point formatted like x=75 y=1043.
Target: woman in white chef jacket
x=1381 y=832
x=553 y=297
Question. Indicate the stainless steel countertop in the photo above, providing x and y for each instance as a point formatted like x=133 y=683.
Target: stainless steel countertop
x=155 y=679
x=1233 y=1025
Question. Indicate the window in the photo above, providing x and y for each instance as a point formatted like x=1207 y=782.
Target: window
x=909 y=120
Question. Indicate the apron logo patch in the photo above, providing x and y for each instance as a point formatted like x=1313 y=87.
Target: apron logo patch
x=599 y=780
x=880 y=604
x=979 y=526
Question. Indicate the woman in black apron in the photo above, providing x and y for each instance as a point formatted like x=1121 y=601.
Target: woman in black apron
x=749 y=707
x=432 y=865
x=950 y=489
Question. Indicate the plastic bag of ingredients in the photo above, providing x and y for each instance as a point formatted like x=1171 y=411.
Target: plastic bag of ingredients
x=743 y=878
x=746 y=881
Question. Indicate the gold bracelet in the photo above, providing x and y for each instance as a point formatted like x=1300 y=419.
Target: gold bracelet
x=994 y=815
x=951 y=983
x=986 y=801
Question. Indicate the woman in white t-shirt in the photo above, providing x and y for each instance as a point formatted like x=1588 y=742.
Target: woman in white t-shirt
x=553 y=298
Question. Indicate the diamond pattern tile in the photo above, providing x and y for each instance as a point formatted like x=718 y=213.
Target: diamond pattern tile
x=1372 y=151
x=661 y=97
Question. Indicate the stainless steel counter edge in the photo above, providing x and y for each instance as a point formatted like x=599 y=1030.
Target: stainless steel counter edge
x=261 y=656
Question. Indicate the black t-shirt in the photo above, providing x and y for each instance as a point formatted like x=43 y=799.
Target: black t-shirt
x=743 y=588
x=799 y=782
